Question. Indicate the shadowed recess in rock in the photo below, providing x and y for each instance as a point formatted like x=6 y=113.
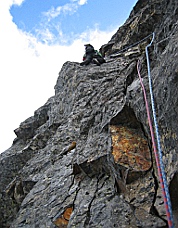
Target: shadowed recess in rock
x=173 y=188
x=129 y=146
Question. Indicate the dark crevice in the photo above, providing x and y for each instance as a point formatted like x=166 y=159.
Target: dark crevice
x=89 y=206
x=76 y=169
x=131 y=72
x=126 y=118
x=73 y=205
x=54 y=218
x=100 y=177
x=153 y=209
x=120 y=186
x=173 y=188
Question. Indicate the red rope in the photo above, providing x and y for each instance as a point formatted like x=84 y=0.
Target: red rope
x=155 y=150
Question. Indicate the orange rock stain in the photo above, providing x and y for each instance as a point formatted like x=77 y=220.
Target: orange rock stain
x=129 y=148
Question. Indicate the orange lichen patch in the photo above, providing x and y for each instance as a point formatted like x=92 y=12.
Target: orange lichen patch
x=60 y=222
x=129 y=148
x=67 y=213
x=63 y=221
x=72 y=146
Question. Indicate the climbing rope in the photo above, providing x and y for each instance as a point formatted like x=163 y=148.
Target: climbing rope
x=140 y=41
x=168 y=211
x=158 y=156
x=132 y=45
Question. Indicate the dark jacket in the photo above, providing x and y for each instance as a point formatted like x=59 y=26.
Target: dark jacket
x=89 y=53
x=89 y=49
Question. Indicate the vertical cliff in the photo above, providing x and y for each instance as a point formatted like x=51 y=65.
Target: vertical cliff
x=85 y=159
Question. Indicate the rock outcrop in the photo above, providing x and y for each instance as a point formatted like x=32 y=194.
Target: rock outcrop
x=85 y=159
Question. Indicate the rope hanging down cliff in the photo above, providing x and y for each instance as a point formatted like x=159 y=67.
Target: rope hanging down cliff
x=158 y=155
x=138 y=42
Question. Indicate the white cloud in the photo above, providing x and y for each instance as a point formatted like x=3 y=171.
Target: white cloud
x=68 y=8
x=52 y=13
x=48 y=29
x=82 y=2
x=4 y=5
x=16 y=2
x=29 y=70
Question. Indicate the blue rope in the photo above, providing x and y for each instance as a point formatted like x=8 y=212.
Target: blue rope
x=165 y=190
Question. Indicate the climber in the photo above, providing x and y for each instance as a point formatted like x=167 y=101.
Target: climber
x=91 y=56
x=88 y=56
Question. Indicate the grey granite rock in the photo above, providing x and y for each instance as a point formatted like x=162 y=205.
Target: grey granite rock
x=85 y=159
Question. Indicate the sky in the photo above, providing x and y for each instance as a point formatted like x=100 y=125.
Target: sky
x=36 y=38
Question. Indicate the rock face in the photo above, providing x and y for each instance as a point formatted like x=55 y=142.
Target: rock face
x=85 y=159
